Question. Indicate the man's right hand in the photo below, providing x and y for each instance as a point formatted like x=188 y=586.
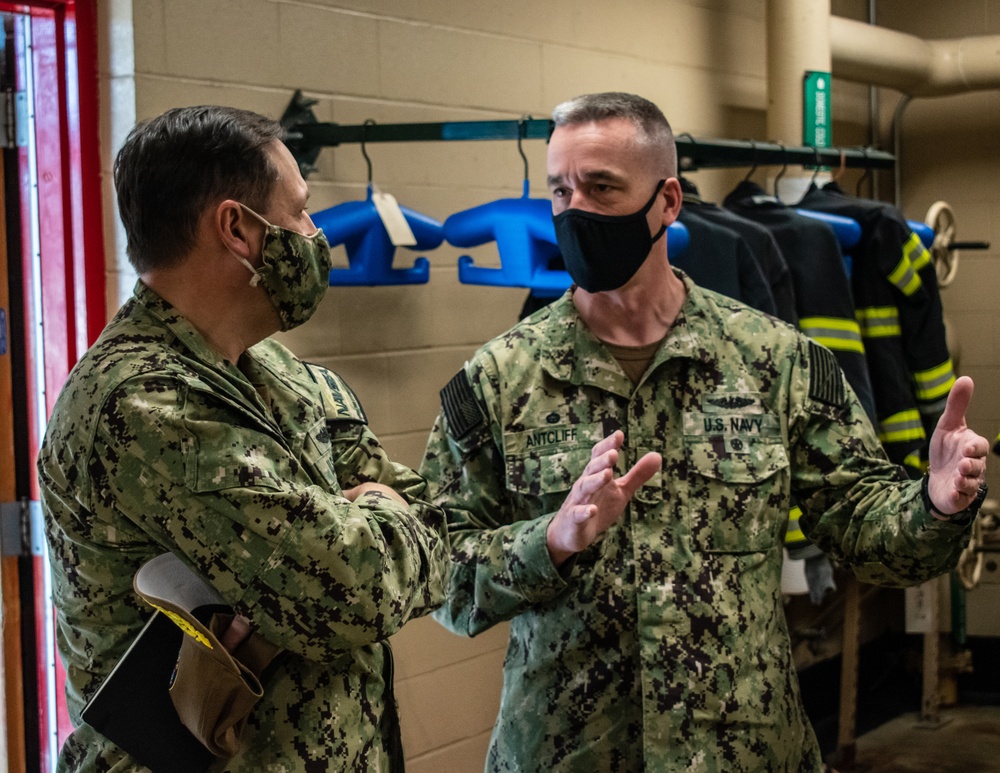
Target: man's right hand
x=597 y=499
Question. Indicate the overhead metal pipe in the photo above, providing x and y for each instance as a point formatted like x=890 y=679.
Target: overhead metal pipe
x=920 y=68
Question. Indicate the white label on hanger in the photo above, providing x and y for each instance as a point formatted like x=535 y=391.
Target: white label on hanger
x=400 y=233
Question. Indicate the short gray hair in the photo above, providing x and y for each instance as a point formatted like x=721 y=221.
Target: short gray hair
x=654 y=130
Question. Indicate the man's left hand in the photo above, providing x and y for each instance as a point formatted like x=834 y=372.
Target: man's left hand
x=352 y=494
x=957 y=455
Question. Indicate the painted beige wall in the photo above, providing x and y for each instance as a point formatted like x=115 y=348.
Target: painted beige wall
x=702 y=61
x=949 y=151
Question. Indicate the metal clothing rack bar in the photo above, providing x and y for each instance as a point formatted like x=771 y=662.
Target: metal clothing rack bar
x=306 y=137
x=715 y=153
x=332 y=134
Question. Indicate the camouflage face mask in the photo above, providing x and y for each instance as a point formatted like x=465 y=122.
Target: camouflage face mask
x=295 y=271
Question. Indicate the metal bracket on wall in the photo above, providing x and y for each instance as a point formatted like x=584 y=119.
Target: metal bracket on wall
x=13 y=119
x=306 y=137
x=22 y=530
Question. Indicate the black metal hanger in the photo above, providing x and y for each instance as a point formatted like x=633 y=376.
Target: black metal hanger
x=865 y=176
x=753 y=160
x=364 y=152
x=784 y=168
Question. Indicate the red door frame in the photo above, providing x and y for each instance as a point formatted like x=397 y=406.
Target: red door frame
x=71 y=244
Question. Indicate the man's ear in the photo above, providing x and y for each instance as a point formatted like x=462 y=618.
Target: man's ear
x=671 y=198
x=232 y=226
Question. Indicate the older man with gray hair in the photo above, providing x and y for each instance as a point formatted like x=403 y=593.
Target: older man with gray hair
x=618 y=468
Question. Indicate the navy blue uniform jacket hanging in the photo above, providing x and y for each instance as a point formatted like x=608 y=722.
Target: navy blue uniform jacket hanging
x=899 y=310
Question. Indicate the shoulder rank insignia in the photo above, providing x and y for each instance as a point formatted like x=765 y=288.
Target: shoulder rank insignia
x=826 y=379
x=458 y=402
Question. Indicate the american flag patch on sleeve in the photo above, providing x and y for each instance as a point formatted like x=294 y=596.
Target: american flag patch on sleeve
x=826 y=379
x=458 y=402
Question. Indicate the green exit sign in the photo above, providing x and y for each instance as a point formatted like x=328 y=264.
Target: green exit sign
x=816 y=120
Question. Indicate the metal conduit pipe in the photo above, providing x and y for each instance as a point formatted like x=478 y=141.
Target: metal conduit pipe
x=920 y=68
x=874 y=132
x=897 y=148
x=798 y=40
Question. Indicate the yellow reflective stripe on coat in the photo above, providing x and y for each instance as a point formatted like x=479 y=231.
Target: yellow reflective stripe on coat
x=878 y=321
x=835 y=333
x=793 y=534
x=936 y=382
x=904 y=276
x=915 y=462
x=919 y=255
x=902 y=426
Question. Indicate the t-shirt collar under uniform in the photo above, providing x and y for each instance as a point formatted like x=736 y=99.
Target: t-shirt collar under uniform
x=572 y=353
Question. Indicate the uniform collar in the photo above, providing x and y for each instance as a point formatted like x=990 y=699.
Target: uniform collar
x=572 y=353
x=271 y=369
x=174 y=321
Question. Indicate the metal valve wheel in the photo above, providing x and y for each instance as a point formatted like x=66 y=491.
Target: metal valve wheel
x=941 y=218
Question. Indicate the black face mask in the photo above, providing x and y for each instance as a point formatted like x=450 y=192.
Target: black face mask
x=603 y=252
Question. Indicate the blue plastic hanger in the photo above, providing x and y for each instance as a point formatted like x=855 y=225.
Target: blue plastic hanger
x=924 y=231
x=848 y=231
x=526 y=240
x=525 y=237
x=357 y=225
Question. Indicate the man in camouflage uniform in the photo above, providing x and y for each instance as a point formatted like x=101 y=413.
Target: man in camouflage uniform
x=647 y=631
x=184 y=429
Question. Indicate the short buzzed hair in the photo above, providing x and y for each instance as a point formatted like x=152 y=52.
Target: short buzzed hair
x=653 y=128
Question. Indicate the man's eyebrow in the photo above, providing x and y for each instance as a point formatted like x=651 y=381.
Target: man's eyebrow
x=595 y=176
x=602 y=175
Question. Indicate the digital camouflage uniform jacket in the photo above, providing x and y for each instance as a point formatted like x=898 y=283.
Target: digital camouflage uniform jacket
x=159 y=444
x=663 y=647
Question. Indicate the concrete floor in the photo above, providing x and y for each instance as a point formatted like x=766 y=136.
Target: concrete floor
x=969 y=742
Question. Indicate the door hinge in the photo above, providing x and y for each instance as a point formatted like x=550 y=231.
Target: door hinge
x=22 y=531
x=13 y=119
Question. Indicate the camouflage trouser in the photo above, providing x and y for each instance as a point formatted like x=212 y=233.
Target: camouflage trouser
x=87 y=750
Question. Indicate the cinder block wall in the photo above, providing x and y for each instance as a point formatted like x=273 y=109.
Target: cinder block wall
x=702 y=61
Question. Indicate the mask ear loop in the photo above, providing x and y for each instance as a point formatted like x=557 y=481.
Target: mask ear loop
x=364 y=152
x=255 y=278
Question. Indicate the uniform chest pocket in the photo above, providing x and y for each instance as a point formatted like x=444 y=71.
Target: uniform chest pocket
x=737 y=493
x=554 y=472
x=231 y=459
